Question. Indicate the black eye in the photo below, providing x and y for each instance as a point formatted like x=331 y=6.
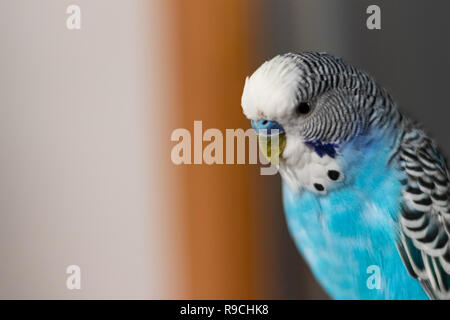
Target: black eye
x=303 y=108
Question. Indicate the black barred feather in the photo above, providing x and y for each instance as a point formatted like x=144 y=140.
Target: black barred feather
x=424 y=244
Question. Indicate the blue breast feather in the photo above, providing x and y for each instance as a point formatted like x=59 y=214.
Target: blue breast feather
x=354 y=227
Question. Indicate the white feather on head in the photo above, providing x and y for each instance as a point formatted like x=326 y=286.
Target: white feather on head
x=271 y=90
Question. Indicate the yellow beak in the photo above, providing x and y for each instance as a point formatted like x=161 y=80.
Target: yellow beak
x=272 y=146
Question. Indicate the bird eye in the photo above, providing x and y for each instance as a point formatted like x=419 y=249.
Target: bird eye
x=303 y=108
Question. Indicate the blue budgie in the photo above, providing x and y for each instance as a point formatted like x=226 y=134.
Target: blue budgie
x=365 y=191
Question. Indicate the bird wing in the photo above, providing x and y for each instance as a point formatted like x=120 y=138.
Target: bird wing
x=424 y=243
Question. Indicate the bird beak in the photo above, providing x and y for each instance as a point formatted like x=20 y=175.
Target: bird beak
x=271 y=139
x=272 y=146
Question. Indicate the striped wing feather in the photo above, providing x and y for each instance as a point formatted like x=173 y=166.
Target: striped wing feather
x=425 y=218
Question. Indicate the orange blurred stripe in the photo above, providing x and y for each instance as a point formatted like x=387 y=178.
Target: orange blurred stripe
x=213 y=46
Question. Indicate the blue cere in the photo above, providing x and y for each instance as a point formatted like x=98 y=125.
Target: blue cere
x=265 y=127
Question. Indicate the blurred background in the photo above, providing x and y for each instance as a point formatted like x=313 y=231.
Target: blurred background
x=85 y=123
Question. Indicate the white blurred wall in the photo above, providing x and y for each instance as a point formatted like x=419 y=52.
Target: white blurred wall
x=82 y=177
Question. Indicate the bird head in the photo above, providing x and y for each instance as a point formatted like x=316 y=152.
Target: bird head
x=313 y=103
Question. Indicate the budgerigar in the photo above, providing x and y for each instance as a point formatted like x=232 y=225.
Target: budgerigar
x=365 y=191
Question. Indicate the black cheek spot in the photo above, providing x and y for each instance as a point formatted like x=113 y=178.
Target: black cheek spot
x=333 y=174
x=319 y=187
